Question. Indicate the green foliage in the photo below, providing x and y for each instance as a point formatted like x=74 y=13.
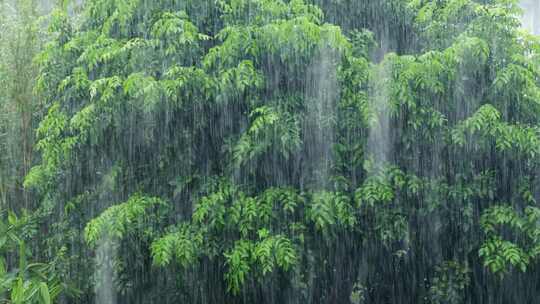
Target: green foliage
x=487 y=122
x=238 y=262
x=176 y=34
x=269 y=128
x=499 y=254
x=119 y=220
x=375 y=190
x=256 y=250
x=29 y=282
x=269 y=253
x=260 y=122
x=358 y=295
x=181 y=245
x=443 y=21
x=449 y=283
x=331 y=209
x=265 y=11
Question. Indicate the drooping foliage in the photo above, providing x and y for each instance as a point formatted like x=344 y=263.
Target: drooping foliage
x=287 y=151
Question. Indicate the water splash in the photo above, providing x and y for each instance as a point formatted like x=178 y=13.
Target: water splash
x=321 y=96
x=379 y=139
x=104 y=272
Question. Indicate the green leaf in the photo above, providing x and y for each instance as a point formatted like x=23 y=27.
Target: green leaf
x=17 y=292
x=44 y=292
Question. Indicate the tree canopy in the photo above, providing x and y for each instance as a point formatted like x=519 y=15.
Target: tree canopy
x=270 y=151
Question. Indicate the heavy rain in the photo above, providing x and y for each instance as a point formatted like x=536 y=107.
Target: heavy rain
x=270 y=151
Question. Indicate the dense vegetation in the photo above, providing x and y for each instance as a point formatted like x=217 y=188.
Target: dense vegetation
x=269 y=151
